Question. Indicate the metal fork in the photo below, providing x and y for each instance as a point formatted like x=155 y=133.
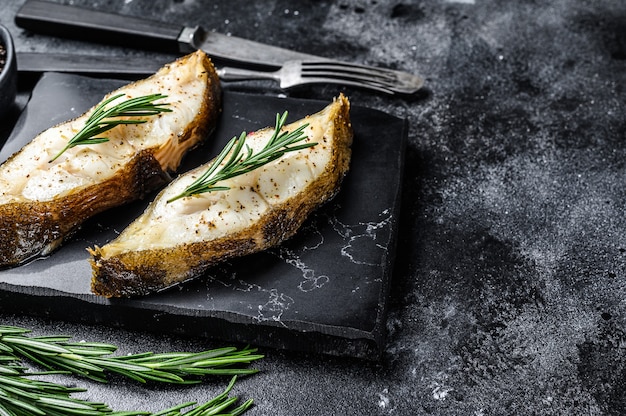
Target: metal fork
x=291 y=74
x=295 y=73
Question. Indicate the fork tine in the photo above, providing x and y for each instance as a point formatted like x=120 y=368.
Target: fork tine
x=347 y=75
x=354 y=80
x=388 y=78
x=348 y=68
x=341 y=81
x=356 y=75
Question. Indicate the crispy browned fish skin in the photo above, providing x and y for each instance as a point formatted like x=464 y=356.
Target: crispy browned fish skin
x=136 y=273
x=31 y=229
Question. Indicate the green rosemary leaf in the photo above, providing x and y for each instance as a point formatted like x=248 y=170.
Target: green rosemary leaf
x=222 y=371
x=14 y=382
x=31 y=343
x=219 y=398
x=175 y=409
x=68 y=404
x=137 y=357
x=181 y=359
x=75 y=364
x=241 y=409
x=19 y=351
x=5 y=329
x=240 y=162
x=52 y=338
x=217 y=408
x=89 y=351
x=20 y=405
x=8 y=371
x=165 y=377
x=114 y=364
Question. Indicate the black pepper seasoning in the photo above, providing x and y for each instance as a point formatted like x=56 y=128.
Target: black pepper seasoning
x=3 y=56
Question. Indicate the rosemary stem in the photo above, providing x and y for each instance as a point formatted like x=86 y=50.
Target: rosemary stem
x=103 y=119
x=240 y=162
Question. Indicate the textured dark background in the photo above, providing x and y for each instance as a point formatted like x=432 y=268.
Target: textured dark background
x=509 y=286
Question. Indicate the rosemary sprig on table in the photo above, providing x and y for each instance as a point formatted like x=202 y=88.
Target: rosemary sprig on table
x=241 y=162
x=22 y=395
x=103 y=119
x=93 y=359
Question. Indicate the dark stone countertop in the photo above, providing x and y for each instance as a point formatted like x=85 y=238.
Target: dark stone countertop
x=509 y=285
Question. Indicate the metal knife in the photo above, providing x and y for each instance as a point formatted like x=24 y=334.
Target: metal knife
x=97 y=26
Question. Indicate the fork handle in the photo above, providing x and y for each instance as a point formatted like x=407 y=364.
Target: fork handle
x=240 y=74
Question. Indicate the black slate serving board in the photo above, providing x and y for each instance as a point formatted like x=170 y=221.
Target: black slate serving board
x=325 y=290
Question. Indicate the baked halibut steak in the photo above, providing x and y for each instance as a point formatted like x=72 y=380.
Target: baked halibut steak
x=175 y=241
x=43 y=202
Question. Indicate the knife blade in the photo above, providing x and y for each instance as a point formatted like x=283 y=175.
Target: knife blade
x=98 y=26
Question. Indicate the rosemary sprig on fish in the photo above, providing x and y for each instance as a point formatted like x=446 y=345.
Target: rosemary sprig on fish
x=104 y=119
x=241 y=162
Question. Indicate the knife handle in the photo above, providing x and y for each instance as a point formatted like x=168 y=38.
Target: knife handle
x=97 y=26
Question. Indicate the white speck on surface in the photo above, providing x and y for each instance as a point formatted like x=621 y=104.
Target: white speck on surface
x=383 y=399
x=439 y=388
x=441 y=392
